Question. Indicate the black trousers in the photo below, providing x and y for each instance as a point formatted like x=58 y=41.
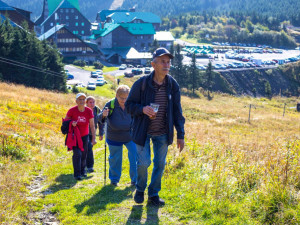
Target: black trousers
x=79 y=157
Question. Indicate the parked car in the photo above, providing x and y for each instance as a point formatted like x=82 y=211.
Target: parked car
x=70 y=76
x=91 y=85
x=99 y=72
x=147 y=70
x=128 y=74
x=94 y=74
x=123 y=67
x=130 y=66
x=136 y=71
x=100 y=82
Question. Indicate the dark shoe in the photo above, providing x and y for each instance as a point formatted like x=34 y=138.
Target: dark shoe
x=90 y=170
x=139 y=197
x=114 y=184
x=132 y=183
x=156 y=200
x=84 y=174
x=78 y=178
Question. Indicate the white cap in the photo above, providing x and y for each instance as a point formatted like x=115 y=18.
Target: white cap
x=79 y=95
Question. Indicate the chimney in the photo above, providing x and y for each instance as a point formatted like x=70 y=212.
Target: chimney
x=132 y=9
x=102 y=25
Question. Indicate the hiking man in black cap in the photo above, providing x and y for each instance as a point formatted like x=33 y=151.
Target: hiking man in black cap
x=154 y=103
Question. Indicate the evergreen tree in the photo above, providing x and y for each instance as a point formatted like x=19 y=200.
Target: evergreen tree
x=194 y=75
x=209 y=80
x=268 y=90
x=178 y=68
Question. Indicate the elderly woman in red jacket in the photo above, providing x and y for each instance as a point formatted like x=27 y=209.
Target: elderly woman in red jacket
x=81 y=117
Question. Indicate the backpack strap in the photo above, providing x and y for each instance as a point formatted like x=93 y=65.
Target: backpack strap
x=112 y=106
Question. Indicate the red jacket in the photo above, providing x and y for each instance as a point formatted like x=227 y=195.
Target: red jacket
x=74 y=138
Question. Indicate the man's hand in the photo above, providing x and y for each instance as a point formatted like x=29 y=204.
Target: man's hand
x=74 y=123
x=148 y=110
x=180 y=144
x=105 y=112
x=100 y=138
x=94 y=142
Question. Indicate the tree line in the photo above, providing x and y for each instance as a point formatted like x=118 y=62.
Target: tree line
x=281 y=10
x=26 y=60
x=233 y=27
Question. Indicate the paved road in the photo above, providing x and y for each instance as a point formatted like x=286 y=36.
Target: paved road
x=79 y=75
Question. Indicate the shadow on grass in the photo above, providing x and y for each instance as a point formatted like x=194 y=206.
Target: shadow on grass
x=137 y=212
x=64 y=181
x=107 y=195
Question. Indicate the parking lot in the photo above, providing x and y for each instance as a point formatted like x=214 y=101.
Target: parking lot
x=220 y=58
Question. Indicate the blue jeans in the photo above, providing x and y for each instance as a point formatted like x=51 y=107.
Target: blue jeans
x=90 y=154
x=160 y=150
x=115 y=161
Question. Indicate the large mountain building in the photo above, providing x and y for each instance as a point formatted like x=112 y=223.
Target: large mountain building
x=66 y=13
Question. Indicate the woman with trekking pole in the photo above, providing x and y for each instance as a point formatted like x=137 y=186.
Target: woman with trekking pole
x=118 y=134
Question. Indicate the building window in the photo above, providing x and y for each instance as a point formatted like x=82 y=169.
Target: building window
x=67 y=10
x=62 y=10
x=51 y=24
x=76 y=24
x=76 y=17
x=82 y=32
x=67 y=17
x=67 y=23
x=72 y=10
x=82 y=24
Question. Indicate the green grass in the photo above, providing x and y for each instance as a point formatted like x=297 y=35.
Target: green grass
x=230 y=172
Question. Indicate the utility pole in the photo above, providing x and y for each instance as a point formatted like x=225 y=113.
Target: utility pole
x=250 y=106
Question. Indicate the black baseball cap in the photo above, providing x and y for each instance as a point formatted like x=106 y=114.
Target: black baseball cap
x=160 y=52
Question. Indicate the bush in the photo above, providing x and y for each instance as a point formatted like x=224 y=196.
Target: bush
x=98 y=65
x=75 y=89
x=80 y=63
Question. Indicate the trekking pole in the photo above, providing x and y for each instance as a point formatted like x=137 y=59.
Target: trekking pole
x=105 y=128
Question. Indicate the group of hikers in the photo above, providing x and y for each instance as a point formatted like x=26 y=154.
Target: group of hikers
x=149 y=111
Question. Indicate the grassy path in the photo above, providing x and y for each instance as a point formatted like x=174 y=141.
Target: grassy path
x=91 y=202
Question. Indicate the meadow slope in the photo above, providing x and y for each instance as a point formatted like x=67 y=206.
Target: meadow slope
x=231 y=171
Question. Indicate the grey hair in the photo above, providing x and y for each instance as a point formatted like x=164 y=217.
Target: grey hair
x=123 y=89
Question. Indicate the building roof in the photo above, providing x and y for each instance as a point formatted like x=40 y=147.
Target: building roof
x=5 y=7
x=53 y=5
x=65 y=4
x=139 y=28
x=50 y=32
x=164 y=36
x=104 y=13
x=108 y=27
x=133 y=28
x=128 y=17
x=125 y=53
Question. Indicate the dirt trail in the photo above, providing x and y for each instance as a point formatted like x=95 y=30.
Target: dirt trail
x=44 y=216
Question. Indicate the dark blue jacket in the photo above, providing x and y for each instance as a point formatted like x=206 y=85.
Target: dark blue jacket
x=140 y=97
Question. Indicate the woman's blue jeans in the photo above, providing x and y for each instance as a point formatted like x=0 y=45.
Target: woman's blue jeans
x=115 y=161
x=160 y=150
